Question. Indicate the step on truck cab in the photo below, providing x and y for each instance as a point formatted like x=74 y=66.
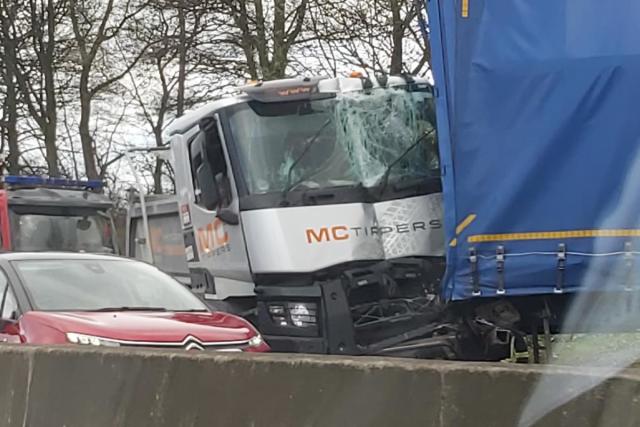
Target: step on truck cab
x=314 y=206
x=45 y=214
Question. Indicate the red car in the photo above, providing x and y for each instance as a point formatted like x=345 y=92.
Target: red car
x=103 y=300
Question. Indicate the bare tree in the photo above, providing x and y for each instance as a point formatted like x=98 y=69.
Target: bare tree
x=96 y=23
x=266 y=34
x=8 y=125
x=378 y=36
x=33 y=66
x=184 y=43
x=111 y=151
x=184 y=40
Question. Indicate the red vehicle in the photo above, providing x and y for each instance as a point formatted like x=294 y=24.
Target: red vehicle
x=55 y=214
x=104 y=300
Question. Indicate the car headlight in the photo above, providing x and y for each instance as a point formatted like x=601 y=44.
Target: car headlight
x=256 y=341
x=300 y=314
x=83 y=339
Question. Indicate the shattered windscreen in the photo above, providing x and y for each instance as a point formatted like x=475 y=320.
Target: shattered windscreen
x=354 y=139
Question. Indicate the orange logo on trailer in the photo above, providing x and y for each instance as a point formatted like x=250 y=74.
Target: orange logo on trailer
x=165 y=244
x=212 y=236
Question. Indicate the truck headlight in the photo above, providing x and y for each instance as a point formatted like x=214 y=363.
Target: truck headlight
x=300 y=314
x=83 y=339
x=303 y=314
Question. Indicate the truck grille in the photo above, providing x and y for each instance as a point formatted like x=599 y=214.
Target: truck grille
x=391 y=298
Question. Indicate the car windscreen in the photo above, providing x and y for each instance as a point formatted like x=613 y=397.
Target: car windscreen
x=41 y=232
x=96 y=284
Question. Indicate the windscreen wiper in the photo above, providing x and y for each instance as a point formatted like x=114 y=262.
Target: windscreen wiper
x=129 y=308
x=319 y=195
x=309 y=143
x=384 y=180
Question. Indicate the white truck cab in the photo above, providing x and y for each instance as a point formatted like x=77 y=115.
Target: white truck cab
x=313 y=205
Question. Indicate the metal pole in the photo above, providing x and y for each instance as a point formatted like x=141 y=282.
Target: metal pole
x=145 y=220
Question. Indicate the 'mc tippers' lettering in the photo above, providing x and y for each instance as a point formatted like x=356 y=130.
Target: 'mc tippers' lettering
x=212 y=237
x=343 y=232
x=337 y=232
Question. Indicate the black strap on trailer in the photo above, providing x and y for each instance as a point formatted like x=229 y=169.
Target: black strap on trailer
x=500 y=256
x=562 y=264
x=475 y=278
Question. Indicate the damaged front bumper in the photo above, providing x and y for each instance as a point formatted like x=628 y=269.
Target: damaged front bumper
x=389 y=308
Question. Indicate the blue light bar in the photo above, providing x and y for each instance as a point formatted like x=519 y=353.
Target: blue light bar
x=40 y=181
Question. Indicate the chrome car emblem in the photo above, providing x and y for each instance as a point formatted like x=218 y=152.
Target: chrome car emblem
x=192 y=345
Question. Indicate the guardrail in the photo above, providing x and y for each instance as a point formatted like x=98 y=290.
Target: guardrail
x=87 y=387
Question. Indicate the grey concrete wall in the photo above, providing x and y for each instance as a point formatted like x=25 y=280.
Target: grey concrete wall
x=74 y=387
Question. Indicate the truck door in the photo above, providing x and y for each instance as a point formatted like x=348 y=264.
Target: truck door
x=220 y=248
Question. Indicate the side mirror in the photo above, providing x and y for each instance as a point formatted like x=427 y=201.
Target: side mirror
x=224 y=189
x=209 y=190
x=223 y=212
x=228 y=216
x=9 y=326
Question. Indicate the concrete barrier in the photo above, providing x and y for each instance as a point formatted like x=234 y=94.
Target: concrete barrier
x=78 y=387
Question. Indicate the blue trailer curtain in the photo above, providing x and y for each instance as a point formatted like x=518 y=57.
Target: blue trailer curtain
x=539 y=134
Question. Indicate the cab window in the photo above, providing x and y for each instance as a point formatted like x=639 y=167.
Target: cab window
x=209 y=167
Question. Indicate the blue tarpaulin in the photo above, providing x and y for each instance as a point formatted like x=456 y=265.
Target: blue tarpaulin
x=539 y=134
